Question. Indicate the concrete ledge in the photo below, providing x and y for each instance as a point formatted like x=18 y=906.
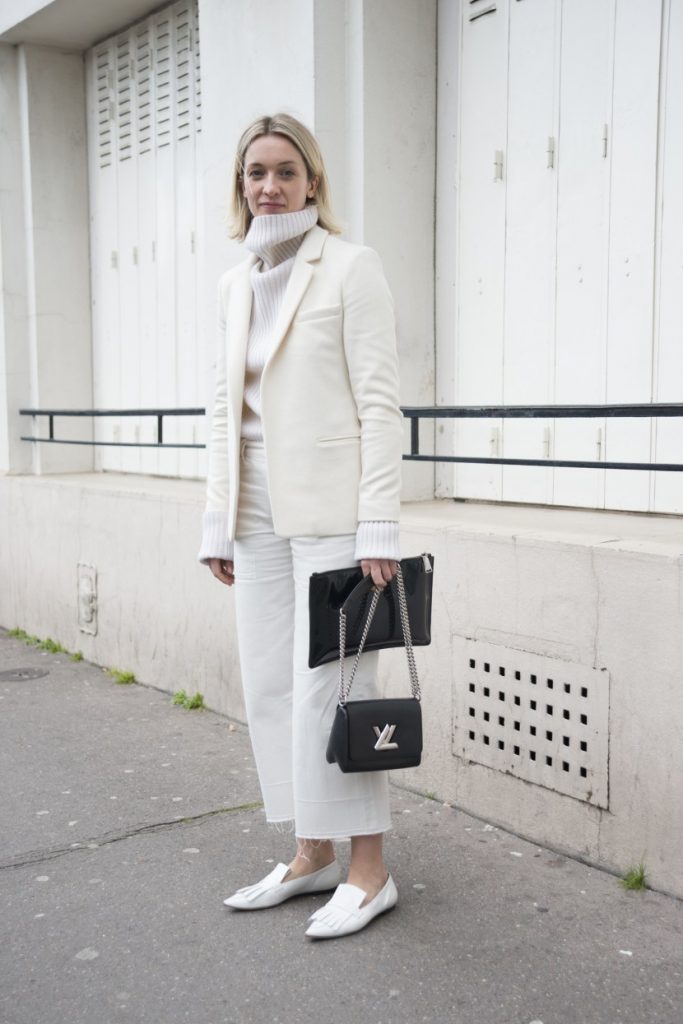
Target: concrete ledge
x=592 y=590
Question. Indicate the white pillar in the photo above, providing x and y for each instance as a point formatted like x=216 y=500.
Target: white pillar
x=46 y=336
x=375 y=116
x=15 y=457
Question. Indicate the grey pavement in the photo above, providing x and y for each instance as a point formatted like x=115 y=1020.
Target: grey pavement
x=126 y=820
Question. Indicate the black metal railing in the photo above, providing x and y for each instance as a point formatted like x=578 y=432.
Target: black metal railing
x=157 y=413
x=414 y=414
x=651 y=411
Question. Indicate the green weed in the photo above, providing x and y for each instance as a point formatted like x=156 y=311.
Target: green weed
x=634 y=878
x=191 y=703
x=124 y=678
x=50 y=645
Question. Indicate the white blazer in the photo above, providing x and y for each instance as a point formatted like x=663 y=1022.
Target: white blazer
x=332 y=426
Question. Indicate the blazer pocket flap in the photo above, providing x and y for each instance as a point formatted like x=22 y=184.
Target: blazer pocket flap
x=318 y=313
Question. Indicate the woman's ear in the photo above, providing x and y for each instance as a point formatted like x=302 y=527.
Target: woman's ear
x=312 y=187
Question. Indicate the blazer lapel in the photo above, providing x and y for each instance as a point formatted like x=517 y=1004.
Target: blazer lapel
x=238 y=319
x=302 y=272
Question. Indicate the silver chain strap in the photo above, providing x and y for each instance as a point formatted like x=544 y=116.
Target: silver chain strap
x=345 y=688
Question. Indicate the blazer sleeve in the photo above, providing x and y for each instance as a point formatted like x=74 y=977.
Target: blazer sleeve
x=372 y=361
x=215 y=521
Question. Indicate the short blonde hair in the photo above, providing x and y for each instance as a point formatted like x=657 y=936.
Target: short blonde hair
x=307 y=145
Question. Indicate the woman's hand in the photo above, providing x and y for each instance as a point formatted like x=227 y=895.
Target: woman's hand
x=381 y=569
x=222 y=570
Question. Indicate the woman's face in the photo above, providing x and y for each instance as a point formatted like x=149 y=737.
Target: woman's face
x=275 y=178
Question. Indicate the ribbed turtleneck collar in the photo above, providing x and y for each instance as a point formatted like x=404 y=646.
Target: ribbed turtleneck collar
x=276 y=237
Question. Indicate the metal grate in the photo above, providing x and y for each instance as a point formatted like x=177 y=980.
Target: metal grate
x=542 y=719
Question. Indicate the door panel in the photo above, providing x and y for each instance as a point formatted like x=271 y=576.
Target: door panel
x=144 y=103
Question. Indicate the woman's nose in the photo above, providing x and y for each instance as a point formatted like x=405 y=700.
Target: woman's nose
x=270 y=184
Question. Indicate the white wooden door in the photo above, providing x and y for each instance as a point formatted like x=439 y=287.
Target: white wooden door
x=481 y=250
x=144 y=120
x=630 y=308
x=583 y=169
x=531 y=204
x=569 y=264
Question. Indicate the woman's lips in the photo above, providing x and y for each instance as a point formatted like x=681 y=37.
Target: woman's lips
x=272 y=206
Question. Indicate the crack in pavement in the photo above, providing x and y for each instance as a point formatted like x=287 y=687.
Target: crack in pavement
x=36 y=856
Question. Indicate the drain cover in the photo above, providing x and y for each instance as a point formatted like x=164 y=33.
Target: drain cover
x=17 y=675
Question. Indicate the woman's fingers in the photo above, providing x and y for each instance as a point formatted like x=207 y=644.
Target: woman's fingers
x=223 y=570
x=381 y=569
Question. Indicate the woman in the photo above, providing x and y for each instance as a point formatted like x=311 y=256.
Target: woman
x=304 y=475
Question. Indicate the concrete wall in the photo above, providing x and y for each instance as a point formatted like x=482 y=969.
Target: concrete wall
x=44 y=237
x=159 y=613
x=15 y=386
x=591 y=590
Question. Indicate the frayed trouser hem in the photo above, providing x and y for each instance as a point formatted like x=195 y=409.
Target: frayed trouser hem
x=287 y=827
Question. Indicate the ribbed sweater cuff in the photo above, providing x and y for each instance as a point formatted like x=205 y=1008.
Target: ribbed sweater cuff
x=378 y=539
x=215 y=541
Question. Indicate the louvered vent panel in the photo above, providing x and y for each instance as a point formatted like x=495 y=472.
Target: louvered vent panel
x=197 y=72
x=163 y=64
x=104 y=82
x=145 y=89
x=124 y=97
x=183 y=73
x=479 y=8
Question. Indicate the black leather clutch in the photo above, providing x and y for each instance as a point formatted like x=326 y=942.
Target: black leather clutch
x=328 y=591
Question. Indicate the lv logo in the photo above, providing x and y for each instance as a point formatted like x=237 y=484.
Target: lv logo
x=384 y=737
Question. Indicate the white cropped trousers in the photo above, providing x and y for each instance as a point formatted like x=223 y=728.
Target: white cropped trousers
x=289 y=706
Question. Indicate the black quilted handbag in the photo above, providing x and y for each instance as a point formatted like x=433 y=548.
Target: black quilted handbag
x=376 y=735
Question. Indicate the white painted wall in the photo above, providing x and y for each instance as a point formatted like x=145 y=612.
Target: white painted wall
x=14 y=348
x=600 y=590
x=46 y=314
x=159 y=613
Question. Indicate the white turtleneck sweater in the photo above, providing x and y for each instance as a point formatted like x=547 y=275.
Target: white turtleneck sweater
x=275 y=239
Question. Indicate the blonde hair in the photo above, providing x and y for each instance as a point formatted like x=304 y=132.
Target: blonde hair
x=307 y=145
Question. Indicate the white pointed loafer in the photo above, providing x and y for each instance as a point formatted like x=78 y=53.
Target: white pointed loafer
x=343 y=914
x=271 y=890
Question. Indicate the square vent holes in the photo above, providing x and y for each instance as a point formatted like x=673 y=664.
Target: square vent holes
x=541 y=719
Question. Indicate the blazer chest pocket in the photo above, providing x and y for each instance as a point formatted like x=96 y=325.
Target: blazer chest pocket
x=318 y=313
